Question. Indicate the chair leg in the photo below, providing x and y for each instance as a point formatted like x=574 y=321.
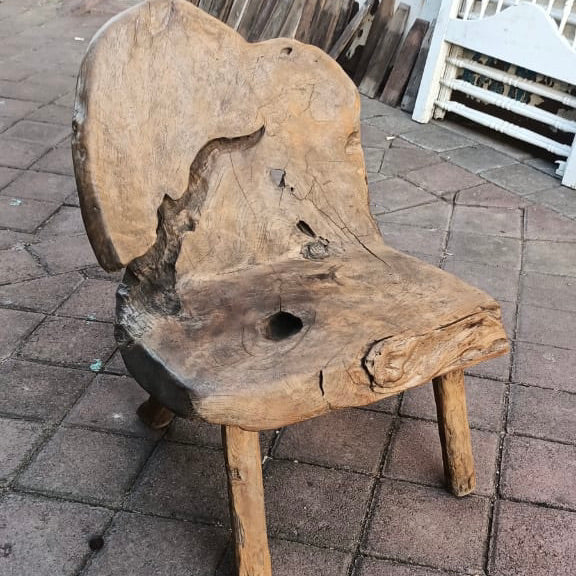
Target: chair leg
x=246 y=494
x=450 y=397
x=154 y=414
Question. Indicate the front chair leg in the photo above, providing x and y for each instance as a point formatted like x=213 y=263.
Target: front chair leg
x=246 y=494
x=450 y=397
x=154 y=414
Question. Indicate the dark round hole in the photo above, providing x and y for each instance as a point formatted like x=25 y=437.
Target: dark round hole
x=96 y=543
x=282 y=325
x=287 y=50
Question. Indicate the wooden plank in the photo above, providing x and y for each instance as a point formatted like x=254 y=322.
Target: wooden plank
x=292 y=21
x=249 y=16
x=205 y=5
x=246 y=501
x=261 y=20
x=223 y=10
x=325 y=24
x=343 y=20
x=384 y=53
x=236 y=12
x=350 y=30
x=305 y=27
x=404 y=62
x=450 y=397
x=411 y=92
x=382 y=17
x=276 y=19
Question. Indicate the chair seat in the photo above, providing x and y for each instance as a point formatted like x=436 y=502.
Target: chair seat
x=283 y=342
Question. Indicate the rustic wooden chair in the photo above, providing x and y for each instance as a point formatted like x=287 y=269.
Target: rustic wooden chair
x=228 y=178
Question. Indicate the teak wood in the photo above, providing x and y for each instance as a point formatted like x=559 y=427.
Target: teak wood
x=228 y=179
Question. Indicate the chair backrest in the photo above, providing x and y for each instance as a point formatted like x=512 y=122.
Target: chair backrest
x=180 y=125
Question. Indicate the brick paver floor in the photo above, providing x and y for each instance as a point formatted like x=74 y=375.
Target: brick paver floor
x=86 y=490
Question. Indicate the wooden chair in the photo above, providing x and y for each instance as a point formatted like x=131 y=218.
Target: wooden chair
x=228 y=178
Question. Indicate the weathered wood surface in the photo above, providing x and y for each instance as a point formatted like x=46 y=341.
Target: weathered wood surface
x=405 y=61
x=305 y=28
x=229 y=179
x=246 y=499
x=351 y=28
x=384 y=53
x=450 y=397
x=276 y=20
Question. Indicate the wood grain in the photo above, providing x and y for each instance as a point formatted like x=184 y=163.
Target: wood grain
x=384 y=53
x=249 y=17
x=405 y=60
x=352 y=27
x=276 y=19
x=246 y=499
x=450 y=397
x=305 y=29
x=228 y=178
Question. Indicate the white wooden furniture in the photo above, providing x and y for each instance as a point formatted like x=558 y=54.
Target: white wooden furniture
x=539 y=36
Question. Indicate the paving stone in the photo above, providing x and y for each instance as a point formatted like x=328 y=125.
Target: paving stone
x=186 y=482
x=484 y=399
x=375 y=567
x=41 y=295
x=508 y=310
x=94 y=300
x=58 y=160
x=372 y=107
x=27 y=90
x=17 y=265
x=87 y=465
x=373 y=159
x=290 y=558
x=65 y=253
x=435 y=216
x=315 y=505
x=399 y=160
x=520 y=178
x=546 y=326
x=11 y=108
x=533 y=541
x=549 y=291
x=488 y=221
x=500 y=283
x=66 y=222
x=131 y=547
x=97 y=273
x=539 y=471
x=428 y=526
x=373 y=137
x=47 y=537
x=551 y=258
x=24 y=215
x=497 y=368
x=7 y=175
x=544 y=224
x=110 y=403
x=19 y=154
x=39 y=391
x=54 y=114
x=388 y=405
x=546 y=414
x=435 y=138
x=71 y=341
x=491 y=196
x=545 y=366
x=442 y=178
x=17 y=440
x=416 y=455
x=560 y=198
x=411 y=239
x=351 y=439
x=489 y=250
x=478 y=158
x=10 y=239
x=393 y=124
x=544 y=165
x=395 y=194
x=116 y=365
x=41 y=186
x=39 y=132
x=16 y=325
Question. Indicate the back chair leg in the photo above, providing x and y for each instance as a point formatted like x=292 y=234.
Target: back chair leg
x=450 y=397
x=154 y=414
x=246 y=495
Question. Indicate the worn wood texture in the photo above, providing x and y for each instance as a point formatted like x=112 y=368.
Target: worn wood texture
x=325 y=24
x=236 y=11
x=305 y=28
x=249 y=17
x=276 y=19
x=405 y=60
x=261 y=20
x=384 y=53
x=450 y=397
x=246 y=500
x=351 y=29
x=382 y=17
x=411 y=91
x=290 y=26
x=229 y=179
